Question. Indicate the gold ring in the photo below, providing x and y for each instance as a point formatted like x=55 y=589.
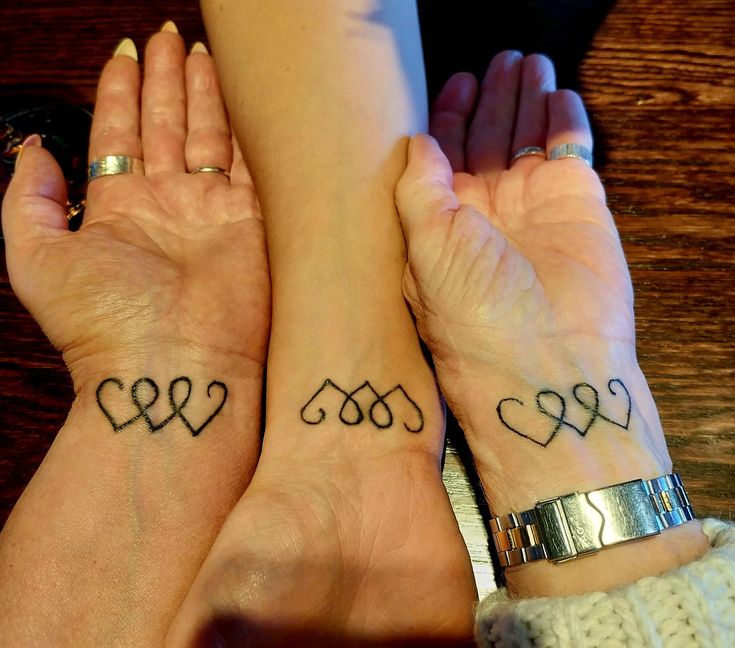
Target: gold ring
x=74 y=209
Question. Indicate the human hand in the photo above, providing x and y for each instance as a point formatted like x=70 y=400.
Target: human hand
x=165 y=284
x=506 y=260
x=516 y=272
x=164 y=260
x=520 y=288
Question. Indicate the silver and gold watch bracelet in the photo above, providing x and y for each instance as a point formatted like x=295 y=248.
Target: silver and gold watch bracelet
x=577 y=524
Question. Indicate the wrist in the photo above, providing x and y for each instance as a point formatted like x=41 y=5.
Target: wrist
x=610 y=568
x=185 y=392
x=158 y=360
x=539 y=433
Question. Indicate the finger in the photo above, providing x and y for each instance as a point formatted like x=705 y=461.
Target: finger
x=116 y=121
x=568 y=122
x=424 y=191
x=240 y=173
x=35 y=201
x=163 y=116
x=240 y=178
x=450 y=114
x=491 y=132
x=208 y=140
x=537 y=81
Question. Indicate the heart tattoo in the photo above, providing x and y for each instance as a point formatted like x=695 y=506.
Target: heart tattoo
x=354 y=406
x=143 y=403
x=553 y=406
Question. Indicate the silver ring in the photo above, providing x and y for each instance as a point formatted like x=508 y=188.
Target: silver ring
x=528 y=150
x=211 y=169
x=576 y=151
x=114 y=165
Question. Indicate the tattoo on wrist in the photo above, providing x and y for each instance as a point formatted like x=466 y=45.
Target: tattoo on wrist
x=362 y=402
x=144 y=393
x=552 y=405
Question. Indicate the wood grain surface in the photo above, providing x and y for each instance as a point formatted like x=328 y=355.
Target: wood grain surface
x=658 y=77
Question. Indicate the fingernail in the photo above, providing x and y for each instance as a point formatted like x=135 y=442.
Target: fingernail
x=464 y=90
x=199 y=47
x=31 y=140
x=126 y=47
x=513 y=57
x=170 y=26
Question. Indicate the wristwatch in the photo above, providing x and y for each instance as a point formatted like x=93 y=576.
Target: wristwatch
x=577 y=524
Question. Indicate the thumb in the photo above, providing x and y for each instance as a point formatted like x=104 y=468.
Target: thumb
x=425 y=193
x=35 y=201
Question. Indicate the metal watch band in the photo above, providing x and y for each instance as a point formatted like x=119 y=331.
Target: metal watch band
x=573 y=525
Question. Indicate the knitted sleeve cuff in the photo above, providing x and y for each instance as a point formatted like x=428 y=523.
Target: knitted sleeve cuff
x=693 y=605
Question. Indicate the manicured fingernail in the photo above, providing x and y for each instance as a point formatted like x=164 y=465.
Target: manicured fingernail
x=170 y=26
x=31 y=140
x=126 y=47
x=199 y=47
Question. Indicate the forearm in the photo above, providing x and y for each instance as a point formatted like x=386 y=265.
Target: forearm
x=322 y=96
x=528 y=430
x=131 y=482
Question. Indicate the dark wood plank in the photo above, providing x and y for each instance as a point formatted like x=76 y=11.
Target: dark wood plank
x=660 y=83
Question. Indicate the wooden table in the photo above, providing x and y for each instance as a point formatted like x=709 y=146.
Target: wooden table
x=659 y=79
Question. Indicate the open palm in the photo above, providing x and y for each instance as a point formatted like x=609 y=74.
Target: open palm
x=163 y=258
x=503 y=260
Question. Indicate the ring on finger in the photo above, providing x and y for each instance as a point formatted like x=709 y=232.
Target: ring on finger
x=528 y=150
x=211 y=169
x=73 y=209
x=576 y=151
x=114 y=165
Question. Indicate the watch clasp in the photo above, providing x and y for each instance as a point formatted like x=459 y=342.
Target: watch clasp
x=577 y=524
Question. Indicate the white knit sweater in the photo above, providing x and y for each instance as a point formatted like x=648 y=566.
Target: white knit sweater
x=689 y=607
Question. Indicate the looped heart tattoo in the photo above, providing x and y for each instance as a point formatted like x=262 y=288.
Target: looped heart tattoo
x=553 y=406
x=351 y=412
x=143 y=403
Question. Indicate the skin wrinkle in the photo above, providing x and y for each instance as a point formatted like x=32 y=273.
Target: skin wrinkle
x=447 y=255
x=491 y=243
x=565 y=253
x=576 y=261
x=104 y=226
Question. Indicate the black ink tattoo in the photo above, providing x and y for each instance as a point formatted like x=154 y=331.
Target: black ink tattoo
x=143 y=405
x=553 y=406
x=379 y=412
